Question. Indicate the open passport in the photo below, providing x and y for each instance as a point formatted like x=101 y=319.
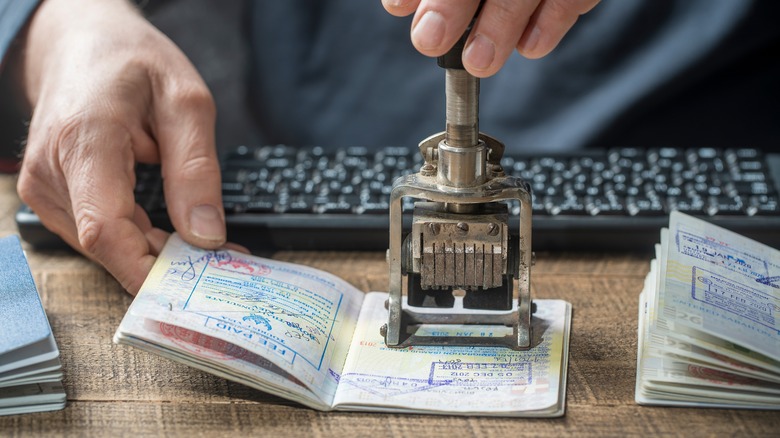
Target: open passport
x=310 y=337
x=709 y=332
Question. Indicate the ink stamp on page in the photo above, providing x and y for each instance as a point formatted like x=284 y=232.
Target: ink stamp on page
x=737 y=299
x=480 y=373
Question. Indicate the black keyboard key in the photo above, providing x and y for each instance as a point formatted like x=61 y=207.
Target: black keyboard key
x=644 y=206
x=300 y=203
x=560 y=205
x=689 y=205
x=602 y=205
x=260 y=207
x=753 y=188
x=356 y=151
x=298 y=206
x=335 y=208
x=724 y=205
x=236 y=199
x=373 y=208
x=763 y=206
x=232 y=188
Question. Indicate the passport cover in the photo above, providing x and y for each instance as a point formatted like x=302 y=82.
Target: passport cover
x=22 y=318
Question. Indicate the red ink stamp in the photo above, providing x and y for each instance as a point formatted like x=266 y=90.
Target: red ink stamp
x=202 y=345
x=241 y=266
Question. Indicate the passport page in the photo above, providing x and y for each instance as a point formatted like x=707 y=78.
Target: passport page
x=722 y=284
x=276 y=326
x=462 y=380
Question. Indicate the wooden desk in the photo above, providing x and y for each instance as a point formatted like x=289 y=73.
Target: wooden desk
x=115 y=391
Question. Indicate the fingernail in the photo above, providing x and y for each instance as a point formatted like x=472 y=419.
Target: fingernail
x=480 y=53
x=395 y=3
x=529 y=45
x=429 y=31
x=206 y=223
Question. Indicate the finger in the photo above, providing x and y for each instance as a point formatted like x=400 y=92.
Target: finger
x=184 y=128
x=144 y=147
x=400 y=8
x=552 y=20
x=157 y=238
x=100 y=177
x=495 y=35
x=154 y=236
x=438 y=24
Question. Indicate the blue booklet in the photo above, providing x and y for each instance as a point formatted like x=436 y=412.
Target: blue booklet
x=30 y=369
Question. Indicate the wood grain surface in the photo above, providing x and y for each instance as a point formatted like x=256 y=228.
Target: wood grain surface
x=120 y=391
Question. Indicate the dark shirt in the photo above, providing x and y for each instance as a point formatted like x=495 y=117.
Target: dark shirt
x=13 y=16
x=630 y=72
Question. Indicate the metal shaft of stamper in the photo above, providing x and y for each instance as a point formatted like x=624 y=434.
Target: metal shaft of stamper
x=462 y=157
x=462 y=94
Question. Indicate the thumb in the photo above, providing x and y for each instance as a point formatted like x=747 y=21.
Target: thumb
x=184 y=128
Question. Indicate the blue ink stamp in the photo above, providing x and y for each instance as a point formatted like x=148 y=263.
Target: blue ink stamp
x=743 y=301
x=718 y=254
x=258 y=320
x=769 y=281
x=386 y=386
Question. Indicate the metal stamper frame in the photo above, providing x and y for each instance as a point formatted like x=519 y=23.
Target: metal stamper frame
x=423 y=187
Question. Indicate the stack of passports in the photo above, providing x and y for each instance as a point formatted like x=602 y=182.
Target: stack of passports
x=30 y=370
x=709 y=332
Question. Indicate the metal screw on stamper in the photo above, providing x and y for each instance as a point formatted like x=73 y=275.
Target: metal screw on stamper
x=498 y=170
x=387 y=303
x=463 y=227
x=434 y=228
x=428 y=169
x=493 y=229
x=383 y=330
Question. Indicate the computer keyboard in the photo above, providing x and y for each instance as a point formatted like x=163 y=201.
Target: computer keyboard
x=280 y=197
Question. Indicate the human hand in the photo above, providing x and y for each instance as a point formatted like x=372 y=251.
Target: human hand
x=108 y=90
x=533 y=27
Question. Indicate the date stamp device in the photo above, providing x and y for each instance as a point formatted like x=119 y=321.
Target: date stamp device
x=458 y=262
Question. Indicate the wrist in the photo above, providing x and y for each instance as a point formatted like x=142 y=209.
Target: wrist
x=52 y=34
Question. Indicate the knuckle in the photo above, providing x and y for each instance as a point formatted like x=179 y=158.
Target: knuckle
x=562 y=9
x=90 y=232
x=193 y=95
x=30 y=182
x=71 y=140
x=28 y=191
x=505 y=13
x=67 y=131
x=559 y=10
